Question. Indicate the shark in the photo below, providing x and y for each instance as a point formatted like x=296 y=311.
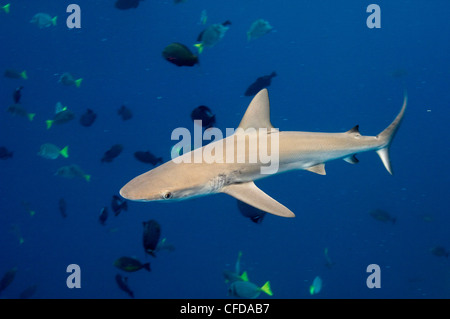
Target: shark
x=184 y=178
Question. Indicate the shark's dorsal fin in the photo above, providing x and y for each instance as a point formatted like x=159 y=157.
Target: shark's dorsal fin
x=355 y=129
x=258 y=112
x=250 y=194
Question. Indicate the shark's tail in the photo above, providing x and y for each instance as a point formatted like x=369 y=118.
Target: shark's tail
x=388 y=135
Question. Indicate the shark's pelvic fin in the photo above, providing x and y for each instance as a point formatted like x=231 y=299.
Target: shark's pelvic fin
x=258 y=112
x=388 y=135
x=318 y=169
x=351 y=159
x=249 y=193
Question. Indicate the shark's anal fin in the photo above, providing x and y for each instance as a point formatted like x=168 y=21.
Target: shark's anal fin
x=249 y=193
x=318 y=169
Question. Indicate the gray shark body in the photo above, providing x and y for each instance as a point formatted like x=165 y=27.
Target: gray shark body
x=235 y=172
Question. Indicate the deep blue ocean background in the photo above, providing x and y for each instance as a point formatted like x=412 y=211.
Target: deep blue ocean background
x=333 y=73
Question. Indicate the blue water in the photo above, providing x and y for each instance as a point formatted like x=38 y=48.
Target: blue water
x=333 y=73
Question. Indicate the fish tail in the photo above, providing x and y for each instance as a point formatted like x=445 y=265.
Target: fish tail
x=65 y=152
x=387 y=136
x=147 y=266
x=23 y=74
x=54 y=20
x=49 y=124
x=78 y=82
x=6 y=7
x=87 y=177
x=266 y=289
x=31 y=116
x=312 y=290
x=244 y=276
x=199 y=47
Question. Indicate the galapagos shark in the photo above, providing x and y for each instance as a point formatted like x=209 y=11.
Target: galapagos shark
x=222 y=170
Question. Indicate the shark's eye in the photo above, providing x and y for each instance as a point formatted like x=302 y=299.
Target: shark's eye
x=167 y=195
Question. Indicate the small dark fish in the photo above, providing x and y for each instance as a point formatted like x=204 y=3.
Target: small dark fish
x=28 y=292
x=382 y=216
x=112 y=153
x=260 y=83
x=118 y=204
x=256 y=215
x=179 y=55
x=131 y=264
x=440 y=251
x=147 y=157
x=62 y=207
x=13 y=74
x=7 y=279
x=399 y=73
x=125 y=113
x=204 y=114
x=88 y=118
x=103 y=215
x=17 y=95
x=122 y=282
x=126 y=4
x=152 y=232
x=4 y=153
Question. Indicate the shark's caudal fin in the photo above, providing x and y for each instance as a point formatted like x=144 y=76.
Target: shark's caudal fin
x=388 y=135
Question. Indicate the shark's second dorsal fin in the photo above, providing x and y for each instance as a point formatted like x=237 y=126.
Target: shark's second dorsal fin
x=250 y=194
x=258 y=112
x=354 y=130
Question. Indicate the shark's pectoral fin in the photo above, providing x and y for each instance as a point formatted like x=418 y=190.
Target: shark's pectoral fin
x=318 y=169
x=250 y=194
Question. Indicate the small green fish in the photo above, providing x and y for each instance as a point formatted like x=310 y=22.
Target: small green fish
x=130 y=264
x=258 y=28
x=68 y=79
x=72 y=171
x=51 y=151
x=43 y=20
x=62 y=115
x=13 y=74
x=17 y=109
x=316 y=286
x=6 y=8
x=211 y=35
x=246 y=289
